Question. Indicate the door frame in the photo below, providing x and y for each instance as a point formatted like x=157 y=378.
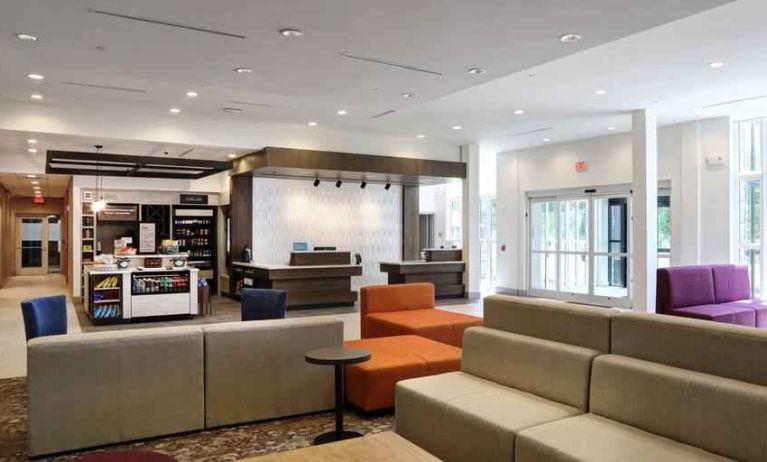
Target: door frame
x=591 y=254
x=43 y=269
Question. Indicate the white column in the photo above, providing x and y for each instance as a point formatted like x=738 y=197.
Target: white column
x=685 y=199
x=645 y=209
x=470 y=155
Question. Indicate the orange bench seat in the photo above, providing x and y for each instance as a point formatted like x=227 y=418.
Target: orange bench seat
x=370 y=385
x=408 y=309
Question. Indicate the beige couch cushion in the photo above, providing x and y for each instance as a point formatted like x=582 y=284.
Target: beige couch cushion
x=256 y=370
x=720 y=415
x=105 y=387
x=581 y=325
x=593 y=438
x=553 y=370
x=459 y=417
x=715 y=348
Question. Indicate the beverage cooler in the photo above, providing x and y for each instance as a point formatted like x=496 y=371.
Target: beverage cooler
x=163 y=293
x=195 y=230
x=104 y=303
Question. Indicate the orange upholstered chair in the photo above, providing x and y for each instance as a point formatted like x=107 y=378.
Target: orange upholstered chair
x=370 y=385
x=408 y=309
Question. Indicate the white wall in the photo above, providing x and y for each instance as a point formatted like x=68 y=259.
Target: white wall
x=681 y=152
x=366 y=221
x=435 y=200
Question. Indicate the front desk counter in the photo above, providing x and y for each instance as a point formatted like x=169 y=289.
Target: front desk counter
x=306 y=286
x=447 y=276
x=121 y=295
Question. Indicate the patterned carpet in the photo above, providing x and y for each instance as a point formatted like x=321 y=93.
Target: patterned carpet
x=223 y=444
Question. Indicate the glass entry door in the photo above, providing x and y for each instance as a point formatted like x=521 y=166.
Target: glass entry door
x=31 y=245
x=579 y=248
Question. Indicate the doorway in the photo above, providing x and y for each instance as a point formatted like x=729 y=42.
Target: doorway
x=38 y=244
x=579 y=248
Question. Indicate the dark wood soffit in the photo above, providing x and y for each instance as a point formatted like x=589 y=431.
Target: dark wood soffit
x=75 y=163
x=273 y=157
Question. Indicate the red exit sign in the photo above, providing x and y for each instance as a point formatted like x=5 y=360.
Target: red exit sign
x=38 y=200
x=581 y=166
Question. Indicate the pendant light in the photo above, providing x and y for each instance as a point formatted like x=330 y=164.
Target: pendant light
x=99 y=204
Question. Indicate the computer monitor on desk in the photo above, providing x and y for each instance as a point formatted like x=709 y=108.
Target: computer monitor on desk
x=300 y=246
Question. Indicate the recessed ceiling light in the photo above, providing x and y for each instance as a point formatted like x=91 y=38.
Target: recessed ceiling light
x=457 y=127
x=715 y=64
x=32 y=141
x=546 y=140
x=421 y=136
x=341 y=112
x=570 y=38
x=611 y=128
x=36 y=96
x=291 y=32
x=191 y=94
x=243 y=70
x=519 y=111
x=174 y=110
x=231 y=155
x=312 y=124
x=476 y=70
x=601 y=92
x=232 y=110
x=35 y=182
x=36 y=188
x=37 y=77
x=31 y=150
x=26 y=37
x=31 y=176
x=408 y=95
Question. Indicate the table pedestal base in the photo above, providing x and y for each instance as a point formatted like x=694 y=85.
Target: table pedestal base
x=331 y=437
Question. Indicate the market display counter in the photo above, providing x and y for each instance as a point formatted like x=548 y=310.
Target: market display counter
x=115 y=296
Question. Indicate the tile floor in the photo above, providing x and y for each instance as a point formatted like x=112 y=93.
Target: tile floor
x=13 y=360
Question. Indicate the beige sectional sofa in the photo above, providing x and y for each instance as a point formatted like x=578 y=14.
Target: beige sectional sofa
x=99 y=388
x=660 y=388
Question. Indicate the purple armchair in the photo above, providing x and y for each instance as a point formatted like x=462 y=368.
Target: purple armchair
x=720 y=293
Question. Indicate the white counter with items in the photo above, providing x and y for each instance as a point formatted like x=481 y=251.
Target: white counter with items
x=119 y=295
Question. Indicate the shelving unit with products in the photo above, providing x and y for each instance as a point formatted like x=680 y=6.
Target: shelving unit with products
x=105 y=298
x=195 y=230
x=88 y=234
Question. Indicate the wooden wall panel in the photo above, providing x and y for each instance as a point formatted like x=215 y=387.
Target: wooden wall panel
x=6 y=245
x=241 y=211
x=410 y=223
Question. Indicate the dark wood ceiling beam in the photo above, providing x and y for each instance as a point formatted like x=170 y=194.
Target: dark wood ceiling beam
x=67 y=162
x=273 y=159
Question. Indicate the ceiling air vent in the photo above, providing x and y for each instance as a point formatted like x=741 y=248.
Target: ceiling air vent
x=383 y=114
x=530 y=132
x=406 y=67
x=161 y=22
x=104 y=87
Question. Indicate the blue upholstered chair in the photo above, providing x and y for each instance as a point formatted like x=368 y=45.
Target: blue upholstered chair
x=259 y=304
x=45 y=316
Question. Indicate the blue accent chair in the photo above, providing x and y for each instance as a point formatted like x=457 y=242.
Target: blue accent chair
x=45 y=316
x=260 y=304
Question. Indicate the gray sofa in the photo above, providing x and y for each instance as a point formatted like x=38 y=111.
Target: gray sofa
x=559 y=382
x=100 y=388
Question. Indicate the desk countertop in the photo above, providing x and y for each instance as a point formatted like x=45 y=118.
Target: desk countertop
x=272 y=266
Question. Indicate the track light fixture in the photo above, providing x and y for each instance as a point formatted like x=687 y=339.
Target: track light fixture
x=316 y=182
x=388 y=185
x=338 y=183
x=363 y=184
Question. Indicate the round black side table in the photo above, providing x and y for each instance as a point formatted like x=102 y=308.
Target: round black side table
x=338 y=357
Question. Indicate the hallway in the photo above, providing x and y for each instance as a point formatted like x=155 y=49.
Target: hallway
x=13 y=353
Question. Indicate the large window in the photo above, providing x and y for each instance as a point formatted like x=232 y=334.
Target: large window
x=579 y=248
x=750 y=140
x=487 y=242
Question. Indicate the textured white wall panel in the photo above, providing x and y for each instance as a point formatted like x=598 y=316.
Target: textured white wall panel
x=366 y=221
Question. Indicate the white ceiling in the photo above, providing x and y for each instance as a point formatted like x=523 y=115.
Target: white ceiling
x=300 y=79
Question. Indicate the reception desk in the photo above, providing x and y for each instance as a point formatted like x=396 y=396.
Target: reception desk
x=447 y=276
x=307 y=281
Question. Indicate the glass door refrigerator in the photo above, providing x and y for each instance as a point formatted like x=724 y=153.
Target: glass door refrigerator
x=194 y=227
